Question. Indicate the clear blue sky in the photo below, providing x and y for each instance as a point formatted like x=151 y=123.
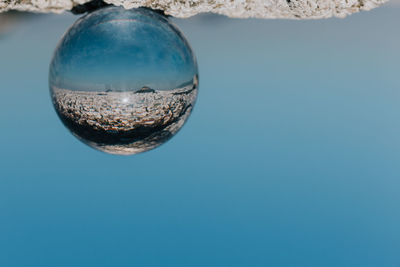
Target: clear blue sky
x=290 y=158
x=125 y=50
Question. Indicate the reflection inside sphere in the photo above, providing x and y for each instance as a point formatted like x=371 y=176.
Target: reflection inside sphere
x=123 y=81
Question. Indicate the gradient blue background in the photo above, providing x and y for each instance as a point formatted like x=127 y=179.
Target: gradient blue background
x=290 y=158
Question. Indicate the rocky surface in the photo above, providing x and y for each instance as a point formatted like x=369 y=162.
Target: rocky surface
x=290 y=9
x=124 y=122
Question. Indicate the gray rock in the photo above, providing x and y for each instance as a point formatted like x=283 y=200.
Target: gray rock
x=289 y=9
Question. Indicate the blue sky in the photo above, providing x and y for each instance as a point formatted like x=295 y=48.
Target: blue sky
x=291 y=156
x=125 y=50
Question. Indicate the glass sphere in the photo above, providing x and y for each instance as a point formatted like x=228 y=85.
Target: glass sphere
x=123 y=81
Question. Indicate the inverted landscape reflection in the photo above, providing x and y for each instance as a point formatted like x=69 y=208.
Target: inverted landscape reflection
x=123 y=81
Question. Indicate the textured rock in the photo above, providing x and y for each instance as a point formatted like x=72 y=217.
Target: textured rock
x=300 y=9
x=124 y=122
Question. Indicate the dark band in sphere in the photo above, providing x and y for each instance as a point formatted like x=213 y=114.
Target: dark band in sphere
x=123 y=81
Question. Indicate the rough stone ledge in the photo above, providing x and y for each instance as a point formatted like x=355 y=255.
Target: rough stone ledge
x=288 y=9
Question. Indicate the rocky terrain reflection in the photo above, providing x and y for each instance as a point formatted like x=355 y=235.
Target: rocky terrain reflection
x=123 y=81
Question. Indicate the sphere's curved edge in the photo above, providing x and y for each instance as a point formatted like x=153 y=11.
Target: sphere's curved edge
x=267 y=9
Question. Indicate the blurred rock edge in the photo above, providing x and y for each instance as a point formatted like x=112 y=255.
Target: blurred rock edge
x=287 y=9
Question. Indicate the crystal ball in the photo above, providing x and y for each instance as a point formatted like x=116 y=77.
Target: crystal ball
x=123 y=81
